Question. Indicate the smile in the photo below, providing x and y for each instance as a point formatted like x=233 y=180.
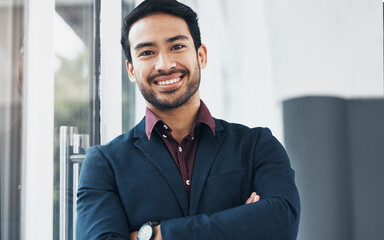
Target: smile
x=168 y=82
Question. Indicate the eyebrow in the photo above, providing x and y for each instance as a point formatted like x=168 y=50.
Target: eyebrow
x=145 y=44
x=178 y=37
x=169 y=40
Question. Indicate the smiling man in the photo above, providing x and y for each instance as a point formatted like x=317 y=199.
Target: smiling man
x=180 y=173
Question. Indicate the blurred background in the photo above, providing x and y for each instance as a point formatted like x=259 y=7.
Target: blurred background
x=311 y=71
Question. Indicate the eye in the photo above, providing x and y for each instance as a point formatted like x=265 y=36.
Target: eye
x=146 y=53
x=178 y=47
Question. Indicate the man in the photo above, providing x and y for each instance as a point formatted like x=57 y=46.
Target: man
x=180 y=173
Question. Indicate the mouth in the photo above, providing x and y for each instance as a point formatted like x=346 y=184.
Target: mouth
x=168 y=82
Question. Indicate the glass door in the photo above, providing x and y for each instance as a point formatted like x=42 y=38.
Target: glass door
x=51 y=109
x=76 y=115
x=88 y=90
x=11 y=92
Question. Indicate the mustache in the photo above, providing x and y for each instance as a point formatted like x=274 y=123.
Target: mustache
x=160 y=74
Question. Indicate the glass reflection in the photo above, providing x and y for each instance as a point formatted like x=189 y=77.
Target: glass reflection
x=73 y=44
x=128 y=89
x=11 y=86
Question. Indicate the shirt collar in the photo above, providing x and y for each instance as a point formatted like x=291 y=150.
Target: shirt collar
x=203 y=116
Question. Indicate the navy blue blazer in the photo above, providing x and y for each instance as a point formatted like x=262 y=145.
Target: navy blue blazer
x=132 y=180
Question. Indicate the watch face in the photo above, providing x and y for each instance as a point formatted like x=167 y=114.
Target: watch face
x=145 y=232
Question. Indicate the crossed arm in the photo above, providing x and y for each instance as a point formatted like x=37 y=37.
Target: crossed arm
x=274 y=217
x=133 y=235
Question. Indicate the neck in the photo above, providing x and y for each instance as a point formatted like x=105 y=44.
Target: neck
x=181 y=119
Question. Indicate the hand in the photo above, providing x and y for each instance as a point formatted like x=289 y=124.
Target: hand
x=253 y=198
x=133 y=235
x=158 y=233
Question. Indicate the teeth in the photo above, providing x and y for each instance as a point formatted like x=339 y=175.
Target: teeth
x=169 y=81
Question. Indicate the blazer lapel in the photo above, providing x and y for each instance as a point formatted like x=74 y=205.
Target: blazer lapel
x=209 y=145
x=158 y=154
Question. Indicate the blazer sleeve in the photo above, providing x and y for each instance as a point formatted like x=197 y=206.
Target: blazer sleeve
x=100 y=214
x=274 y=217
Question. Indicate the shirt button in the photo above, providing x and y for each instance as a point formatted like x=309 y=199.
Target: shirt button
x=180 y=149
x=193 y=138
x=165 y=126
x=164 y=136
x=188 y=182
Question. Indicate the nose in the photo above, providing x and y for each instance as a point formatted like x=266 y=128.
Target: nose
x=164 y=62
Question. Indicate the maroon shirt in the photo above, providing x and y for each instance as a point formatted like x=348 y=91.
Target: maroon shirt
x=183 y=153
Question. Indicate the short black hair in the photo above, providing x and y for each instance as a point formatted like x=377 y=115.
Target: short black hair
x=151 y=7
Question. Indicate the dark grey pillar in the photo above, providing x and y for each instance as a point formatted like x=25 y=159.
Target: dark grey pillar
x=337 y=149
x=366 y=154
x=315 y=137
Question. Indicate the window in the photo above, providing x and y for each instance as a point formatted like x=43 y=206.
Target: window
x=11 y=106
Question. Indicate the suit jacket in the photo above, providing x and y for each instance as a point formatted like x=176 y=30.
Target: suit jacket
x=133 y=180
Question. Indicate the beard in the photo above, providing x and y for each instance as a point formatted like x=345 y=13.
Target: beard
x=172 y=102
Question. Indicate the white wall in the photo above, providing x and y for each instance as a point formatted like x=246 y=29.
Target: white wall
x=261 y=52
x=327 y=47
x=238 y=84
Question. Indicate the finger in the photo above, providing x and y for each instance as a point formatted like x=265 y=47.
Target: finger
x=251 y=198
x=133 y=235
x=257 y=198
x=158 y=233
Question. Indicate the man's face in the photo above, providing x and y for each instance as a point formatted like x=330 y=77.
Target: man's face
x=165 y=64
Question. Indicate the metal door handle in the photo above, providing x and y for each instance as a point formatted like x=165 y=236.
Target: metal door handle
x=72 y=153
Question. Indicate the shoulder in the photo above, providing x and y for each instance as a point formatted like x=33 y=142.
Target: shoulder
x=240 y=129
x=256 y=137
x=121 y=145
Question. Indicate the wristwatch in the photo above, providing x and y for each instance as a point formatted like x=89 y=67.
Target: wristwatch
x=147 y=231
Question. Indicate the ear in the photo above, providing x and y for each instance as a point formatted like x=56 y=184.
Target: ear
x=202 y=56
x=131 y=72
